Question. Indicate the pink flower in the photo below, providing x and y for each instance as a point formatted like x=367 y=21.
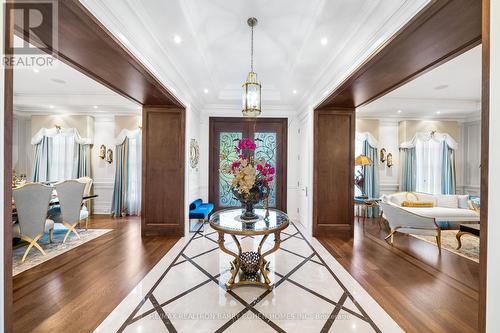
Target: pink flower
x=270 y=179
x=260 y=167
x=235 y=165
x=272 y=170
x=246 y=144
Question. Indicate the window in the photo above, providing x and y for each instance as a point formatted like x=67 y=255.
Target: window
x=133 y=186
x=429 y=166
x=62 y=157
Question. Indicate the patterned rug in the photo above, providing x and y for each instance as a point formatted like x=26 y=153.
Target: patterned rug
x=52 y=250
x=470 y=244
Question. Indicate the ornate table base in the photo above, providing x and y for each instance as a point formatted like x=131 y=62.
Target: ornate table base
x=249 y=268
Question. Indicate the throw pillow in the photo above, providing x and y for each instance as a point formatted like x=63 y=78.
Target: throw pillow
x=463 y=201
x=447 y=201
x=418 y=204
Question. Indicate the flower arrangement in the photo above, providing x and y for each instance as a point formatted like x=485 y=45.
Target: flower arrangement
x=252 y=179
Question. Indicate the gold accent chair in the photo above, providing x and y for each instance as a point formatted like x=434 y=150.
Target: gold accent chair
x=32 y=202
x=70 y=194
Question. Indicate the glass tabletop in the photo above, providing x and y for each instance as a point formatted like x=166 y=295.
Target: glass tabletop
x=228 y=221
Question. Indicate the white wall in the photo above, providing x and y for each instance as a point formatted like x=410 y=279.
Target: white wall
x=471 y=158
x=293 y=166
x=192 y=175
x=305 y=127
x=388 y=139
x=103 y=172
x=493 y=273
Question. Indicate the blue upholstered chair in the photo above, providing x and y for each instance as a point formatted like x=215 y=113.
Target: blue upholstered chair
x=200 y=212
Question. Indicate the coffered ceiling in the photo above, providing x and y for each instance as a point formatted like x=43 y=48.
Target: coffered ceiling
x=303 y=48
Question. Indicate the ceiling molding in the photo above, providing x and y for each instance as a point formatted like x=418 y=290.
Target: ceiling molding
x=29 y=110
x=283 y=111
x=435 y=104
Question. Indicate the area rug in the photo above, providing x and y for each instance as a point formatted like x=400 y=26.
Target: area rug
x=186 y=292
x=470 y=244
x=57 y=247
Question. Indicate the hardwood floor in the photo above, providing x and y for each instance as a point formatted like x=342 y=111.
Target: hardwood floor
x=75 y=291
x=422 y=290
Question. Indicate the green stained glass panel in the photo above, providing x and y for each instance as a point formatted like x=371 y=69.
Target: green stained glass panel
x=266 y=149
x=227 y=143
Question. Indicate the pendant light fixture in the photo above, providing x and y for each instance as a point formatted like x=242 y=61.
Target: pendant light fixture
x=252 y=87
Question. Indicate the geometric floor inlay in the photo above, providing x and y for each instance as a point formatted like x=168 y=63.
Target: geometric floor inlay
x=189 y=295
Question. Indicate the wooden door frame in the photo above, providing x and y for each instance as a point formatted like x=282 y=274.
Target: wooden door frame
x=443 y=30
x=283 y=150
x=113 y=66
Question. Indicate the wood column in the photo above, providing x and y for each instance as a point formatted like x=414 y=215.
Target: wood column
x=163 y=163
x=334 y=137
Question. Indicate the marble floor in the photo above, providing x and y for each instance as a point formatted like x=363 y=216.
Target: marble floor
x=185 y=292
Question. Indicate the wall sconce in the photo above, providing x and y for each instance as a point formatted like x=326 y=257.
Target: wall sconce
x=383 y=153
x=389 y=160
x=109 y=156
x=102 y=152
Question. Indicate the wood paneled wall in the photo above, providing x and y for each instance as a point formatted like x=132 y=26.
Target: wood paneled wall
x=334 y=137
x=163 y=171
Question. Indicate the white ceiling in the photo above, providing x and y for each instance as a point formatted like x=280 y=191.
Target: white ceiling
x=213 y=53
x=452 y=90
x=62 y=89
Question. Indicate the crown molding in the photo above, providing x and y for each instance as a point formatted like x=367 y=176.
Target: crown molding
x=283 y=111
x=30 y=110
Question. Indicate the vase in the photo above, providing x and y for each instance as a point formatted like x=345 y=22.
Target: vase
x=249 y=211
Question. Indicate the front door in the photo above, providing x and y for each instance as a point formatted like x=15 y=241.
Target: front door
x=270 y=136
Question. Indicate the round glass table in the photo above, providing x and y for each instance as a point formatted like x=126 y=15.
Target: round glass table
x=249 y=268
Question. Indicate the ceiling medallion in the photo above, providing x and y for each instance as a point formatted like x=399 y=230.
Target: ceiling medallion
x=252 y=87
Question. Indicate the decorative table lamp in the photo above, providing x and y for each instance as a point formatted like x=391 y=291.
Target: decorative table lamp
x=359 y=180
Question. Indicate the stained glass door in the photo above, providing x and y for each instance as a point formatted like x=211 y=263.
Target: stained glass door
x=227 y=155
x=269 y=135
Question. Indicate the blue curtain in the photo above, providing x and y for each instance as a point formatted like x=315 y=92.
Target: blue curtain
x=371 y=174
x=409 y=169
x=42 y=161
x=448 y=175
x=82 y=161
x=118 y=206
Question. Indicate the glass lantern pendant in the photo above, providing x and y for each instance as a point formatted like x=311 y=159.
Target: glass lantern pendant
x=252 y=87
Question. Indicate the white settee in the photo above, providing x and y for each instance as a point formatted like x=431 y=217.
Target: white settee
x=425 y=220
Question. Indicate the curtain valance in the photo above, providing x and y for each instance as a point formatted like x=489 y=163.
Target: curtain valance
x=427 y=136
x=51 y=132
x=366 y=136
x=126 y=133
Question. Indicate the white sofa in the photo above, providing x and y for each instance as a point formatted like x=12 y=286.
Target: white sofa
x=424 y=220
